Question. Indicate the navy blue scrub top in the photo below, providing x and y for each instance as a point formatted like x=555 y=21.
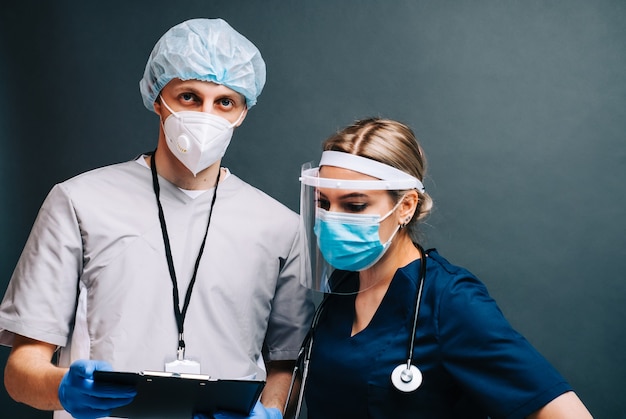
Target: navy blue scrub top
x=474 y=364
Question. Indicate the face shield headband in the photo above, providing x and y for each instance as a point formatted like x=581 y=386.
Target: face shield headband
x=390 y=177
x=321 y=275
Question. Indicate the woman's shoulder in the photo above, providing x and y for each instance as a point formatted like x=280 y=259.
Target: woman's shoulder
x=450 y=282
x=444 y=269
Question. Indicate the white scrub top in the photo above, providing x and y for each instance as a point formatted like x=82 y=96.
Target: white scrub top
x=95 y=259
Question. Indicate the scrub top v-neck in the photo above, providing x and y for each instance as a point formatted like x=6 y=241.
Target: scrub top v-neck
x=359 y=365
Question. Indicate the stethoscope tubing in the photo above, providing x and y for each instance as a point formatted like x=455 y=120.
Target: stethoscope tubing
x=418 y=301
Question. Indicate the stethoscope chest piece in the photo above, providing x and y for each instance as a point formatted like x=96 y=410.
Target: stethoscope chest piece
x=406 y=378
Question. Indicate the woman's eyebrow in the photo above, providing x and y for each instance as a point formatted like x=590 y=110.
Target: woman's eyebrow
x=354 y=195
x=347 y=195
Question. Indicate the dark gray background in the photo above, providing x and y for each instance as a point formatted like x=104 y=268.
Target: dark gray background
x=520 y=105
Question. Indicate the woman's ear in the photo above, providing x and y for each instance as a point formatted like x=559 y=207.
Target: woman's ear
x=408 y=207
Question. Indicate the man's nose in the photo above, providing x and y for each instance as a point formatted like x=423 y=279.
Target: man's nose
x=207 y=107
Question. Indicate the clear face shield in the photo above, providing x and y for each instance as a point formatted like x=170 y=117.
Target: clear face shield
x=340 y=242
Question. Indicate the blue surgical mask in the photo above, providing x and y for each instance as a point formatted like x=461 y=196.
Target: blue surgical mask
x=351 y=242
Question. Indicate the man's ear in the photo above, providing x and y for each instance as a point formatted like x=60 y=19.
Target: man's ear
x=157 y=106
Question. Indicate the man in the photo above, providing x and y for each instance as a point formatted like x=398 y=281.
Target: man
x=168 y=262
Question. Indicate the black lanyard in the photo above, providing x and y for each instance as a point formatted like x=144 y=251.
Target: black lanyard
x=180 y=315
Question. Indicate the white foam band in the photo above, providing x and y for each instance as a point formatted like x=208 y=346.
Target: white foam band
x=311 y=177
x=390 y=177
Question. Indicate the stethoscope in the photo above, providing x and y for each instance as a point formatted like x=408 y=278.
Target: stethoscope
x=406 y=377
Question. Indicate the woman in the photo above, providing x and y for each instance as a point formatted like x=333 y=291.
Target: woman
x=402 y=332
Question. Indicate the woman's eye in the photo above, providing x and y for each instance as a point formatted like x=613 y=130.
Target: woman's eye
x=355 y=207
x=323 y=204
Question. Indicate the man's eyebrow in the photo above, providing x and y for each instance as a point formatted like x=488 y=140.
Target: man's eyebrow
x=186 y=88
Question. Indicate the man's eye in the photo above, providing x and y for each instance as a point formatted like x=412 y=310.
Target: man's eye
x=226 y=102
x=187 y=97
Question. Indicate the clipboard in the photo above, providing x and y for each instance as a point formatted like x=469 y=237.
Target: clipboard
x=168 y=395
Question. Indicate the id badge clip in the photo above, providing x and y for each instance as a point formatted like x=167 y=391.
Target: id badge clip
x=182 y=365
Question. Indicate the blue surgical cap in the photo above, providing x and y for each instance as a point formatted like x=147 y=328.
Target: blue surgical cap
x=207 y=50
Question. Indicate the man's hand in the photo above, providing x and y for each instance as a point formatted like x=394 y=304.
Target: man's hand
x=83 y=398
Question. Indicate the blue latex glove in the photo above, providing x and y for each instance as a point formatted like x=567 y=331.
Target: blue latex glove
x=259 y=412
x=85 y=399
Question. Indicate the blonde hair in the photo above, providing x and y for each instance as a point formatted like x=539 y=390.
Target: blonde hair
x=392 y=143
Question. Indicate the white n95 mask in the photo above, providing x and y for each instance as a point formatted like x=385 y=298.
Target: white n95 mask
x=197 y=139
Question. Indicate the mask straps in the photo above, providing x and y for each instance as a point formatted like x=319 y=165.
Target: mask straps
x=168 y=108
x=395 y=207
x=239 y=119
x=387 y=215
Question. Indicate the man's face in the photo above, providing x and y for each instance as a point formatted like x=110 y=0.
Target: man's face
x=202 y=96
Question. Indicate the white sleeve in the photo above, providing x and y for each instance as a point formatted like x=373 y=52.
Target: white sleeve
x=292 y=308
x=40 y=300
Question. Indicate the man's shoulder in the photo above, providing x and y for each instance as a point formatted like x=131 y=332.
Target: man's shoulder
x=109 y=174
x=111 y=180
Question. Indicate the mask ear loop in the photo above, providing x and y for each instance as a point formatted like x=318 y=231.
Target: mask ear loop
x=395 y=207
x=168 y=108
x=234 y=124
x=401 y=226
x=184 y=147
x=387 y=244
